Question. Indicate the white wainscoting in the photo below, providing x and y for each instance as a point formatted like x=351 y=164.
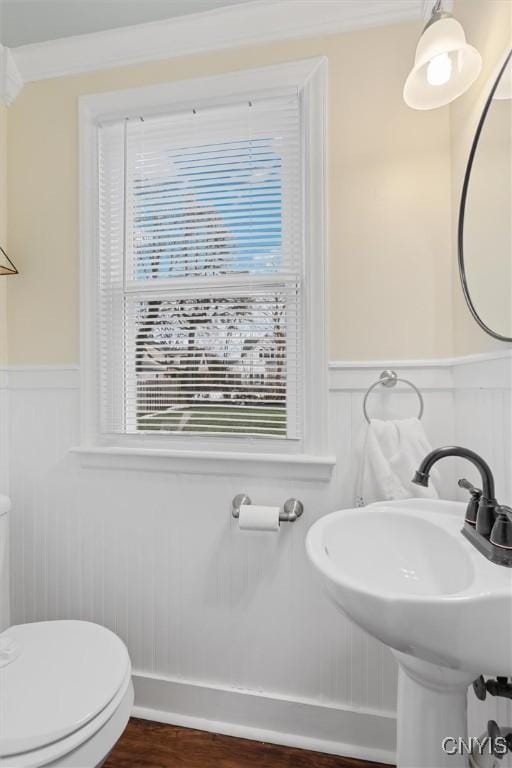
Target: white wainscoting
x=483 y=414
x=4 y=433
x=226 y=631
x=4 y=488
x=483 y=422
x=349 y=382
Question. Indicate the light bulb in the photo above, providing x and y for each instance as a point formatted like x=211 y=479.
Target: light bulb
x=439 y=69
x=445 y=65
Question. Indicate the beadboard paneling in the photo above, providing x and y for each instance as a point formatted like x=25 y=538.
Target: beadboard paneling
x=483 y=415
x=4 y=433
x=156 y=556
x=483 y=422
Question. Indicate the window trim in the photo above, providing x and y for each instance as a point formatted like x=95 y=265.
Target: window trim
x=307 y=77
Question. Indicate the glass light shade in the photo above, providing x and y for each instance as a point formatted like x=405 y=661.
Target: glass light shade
x=445 y=66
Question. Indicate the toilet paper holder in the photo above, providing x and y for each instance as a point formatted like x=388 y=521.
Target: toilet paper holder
x=291 y=511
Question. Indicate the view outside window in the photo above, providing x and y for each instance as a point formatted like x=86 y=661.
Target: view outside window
x=218 y=362
x=211 y=272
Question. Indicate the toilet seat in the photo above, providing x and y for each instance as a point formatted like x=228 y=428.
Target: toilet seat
x=85 y=748
x=67 y=683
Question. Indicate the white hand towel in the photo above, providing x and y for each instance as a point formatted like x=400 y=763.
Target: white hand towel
x=391 y=454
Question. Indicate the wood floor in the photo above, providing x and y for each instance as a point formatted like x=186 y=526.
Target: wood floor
x=145 y=744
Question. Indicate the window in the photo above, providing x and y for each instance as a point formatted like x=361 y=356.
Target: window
x=204 y=267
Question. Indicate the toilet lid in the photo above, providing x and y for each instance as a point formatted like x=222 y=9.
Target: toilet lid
x=65 y=674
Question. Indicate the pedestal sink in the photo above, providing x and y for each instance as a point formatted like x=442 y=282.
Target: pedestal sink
x=404 y=573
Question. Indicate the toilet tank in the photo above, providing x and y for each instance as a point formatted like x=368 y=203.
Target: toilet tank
x=5 y=506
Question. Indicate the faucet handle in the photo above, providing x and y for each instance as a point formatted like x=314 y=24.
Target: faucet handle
x=501 y=533
x=480 y=688
x=499 y=743
x=476 y=495
x=475 y=492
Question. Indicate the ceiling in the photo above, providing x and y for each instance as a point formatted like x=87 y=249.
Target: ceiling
x=33 y=21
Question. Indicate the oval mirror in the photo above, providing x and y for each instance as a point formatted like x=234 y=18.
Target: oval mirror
x=485 y=218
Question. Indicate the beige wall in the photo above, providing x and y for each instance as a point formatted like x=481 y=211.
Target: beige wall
x=389 y=187
x=488 y=26
x=3 y=229
x=488 y=221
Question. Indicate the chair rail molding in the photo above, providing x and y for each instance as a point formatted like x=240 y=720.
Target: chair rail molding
x=433 y=373
x=257 y=22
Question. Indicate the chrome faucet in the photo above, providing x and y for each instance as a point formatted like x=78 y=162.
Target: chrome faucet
x=487 y=524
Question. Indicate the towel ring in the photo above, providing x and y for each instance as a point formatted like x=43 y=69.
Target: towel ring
x=390 y=379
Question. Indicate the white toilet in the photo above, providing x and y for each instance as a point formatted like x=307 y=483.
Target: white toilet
x=65 y=688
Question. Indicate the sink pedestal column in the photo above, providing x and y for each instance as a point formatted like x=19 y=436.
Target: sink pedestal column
x=432 y=707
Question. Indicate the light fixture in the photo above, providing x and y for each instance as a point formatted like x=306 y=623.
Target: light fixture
x=6 y=265
x=445 y=66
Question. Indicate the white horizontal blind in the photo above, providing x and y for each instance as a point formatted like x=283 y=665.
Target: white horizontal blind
x=201 y=272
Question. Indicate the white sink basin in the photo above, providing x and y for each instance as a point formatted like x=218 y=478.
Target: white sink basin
x=403 y=572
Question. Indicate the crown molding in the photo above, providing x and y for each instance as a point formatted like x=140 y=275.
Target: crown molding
x=260 y=21
x=11 y=81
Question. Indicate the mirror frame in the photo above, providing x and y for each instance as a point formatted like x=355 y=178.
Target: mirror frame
x=462 y=209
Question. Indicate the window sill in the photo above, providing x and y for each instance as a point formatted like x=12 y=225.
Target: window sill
x=280 y=466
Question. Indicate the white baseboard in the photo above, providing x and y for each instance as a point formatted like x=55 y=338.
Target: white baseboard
x=358 y=733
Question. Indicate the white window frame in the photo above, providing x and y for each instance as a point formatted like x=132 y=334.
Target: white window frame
x=308 y=77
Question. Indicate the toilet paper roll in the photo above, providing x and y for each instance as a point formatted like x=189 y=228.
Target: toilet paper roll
x=254 y=518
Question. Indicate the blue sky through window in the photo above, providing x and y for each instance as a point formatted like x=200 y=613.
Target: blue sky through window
x=209 y=209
